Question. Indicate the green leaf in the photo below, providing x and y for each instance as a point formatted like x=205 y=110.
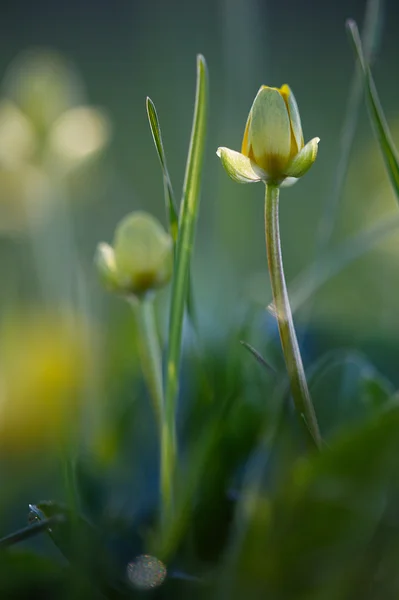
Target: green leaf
x=169 y=196
x=187 y=224
x=330 y=532
x=83 y=546
x=27 y=532
x=376 y=113
x=201 y=452
x=371 y=36
x=258 y=357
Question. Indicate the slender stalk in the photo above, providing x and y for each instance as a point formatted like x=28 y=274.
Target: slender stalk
x=27 y=532
x=289 y=343
x=150 y=352
x=151 y=362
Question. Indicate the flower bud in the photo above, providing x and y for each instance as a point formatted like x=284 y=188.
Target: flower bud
x=141 y=259
x=272 y=149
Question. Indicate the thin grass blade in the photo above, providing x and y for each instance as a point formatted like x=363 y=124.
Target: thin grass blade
x=376 y=113
x=371 y=35
x=169 y=196
x=187 y=222
x=170 y=202
x=27 y=532
x=258 y=357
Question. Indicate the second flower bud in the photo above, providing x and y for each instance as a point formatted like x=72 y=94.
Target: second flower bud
x=141 y=258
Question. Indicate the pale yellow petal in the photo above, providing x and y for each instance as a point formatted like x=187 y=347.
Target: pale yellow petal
x=295 y=119
x=240 y=167
x=270 y=131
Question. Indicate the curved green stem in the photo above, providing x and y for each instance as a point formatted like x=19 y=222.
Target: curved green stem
x=151 y=362
x=289 y=343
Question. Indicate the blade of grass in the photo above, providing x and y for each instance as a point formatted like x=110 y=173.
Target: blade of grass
x=371 y=37
x=200 y=456
x=376 y=113
x=169 y=196
x=170 y=202
x=151 y=361
x=27 y=532
x=83 y=547
x=258 y=357
x=188 y=216
x=361 y=243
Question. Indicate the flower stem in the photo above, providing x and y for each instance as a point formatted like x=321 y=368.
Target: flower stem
x=151 y=362
x=289 y=343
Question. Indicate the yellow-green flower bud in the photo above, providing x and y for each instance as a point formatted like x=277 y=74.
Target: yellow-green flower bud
x=141 y=259
x=272 y=149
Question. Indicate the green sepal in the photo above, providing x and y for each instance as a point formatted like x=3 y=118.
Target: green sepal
x=304 y=160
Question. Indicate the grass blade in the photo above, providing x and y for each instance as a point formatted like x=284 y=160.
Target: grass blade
x=185 y=241
x=170 y=202
x=371 y=37
x=169 y=196
x=376 y=113
x=27 y=532
x=258 y=357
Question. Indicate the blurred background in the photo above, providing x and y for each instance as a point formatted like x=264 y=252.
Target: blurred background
x=76 y=155
x=111 y=59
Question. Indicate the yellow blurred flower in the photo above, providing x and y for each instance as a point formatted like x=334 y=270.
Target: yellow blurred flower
x=78 y=135
x=44 y=362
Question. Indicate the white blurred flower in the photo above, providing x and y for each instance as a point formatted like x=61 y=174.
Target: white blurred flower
x=78 y=135
x=46 y=133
